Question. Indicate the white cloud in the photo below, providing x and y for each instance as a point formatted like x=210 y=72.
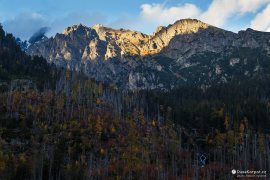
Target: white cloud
x=251 y=5
x=25 y=24
x=218 y=13
x=261 y=21
x=164 y=15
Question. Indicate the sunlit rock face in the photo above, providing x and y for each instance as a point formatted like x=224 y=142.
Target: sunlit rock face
x=186 y=52
x=92 y=43
x=163 y=35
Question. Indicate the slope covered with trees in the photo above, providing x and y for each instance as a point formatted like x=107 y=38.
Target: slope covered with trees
x=15 y=64
x=84 y=130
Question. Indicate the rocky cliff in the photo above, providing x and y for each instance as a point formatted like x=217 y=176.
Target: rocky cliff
x=186 y=52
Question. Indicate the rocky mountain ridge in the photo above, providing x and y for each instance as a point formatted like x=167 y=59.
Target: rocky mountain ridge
x=186 y=52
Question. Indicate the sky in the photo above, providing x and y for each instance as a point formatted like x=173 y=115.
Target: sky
x=24 y=18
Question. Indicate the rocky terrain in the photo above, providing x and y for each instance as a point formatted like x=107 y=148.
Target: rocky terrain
x=186 y=52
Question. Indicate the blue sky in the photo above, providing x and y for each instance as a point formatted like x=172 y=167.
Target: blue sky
x=24 y=17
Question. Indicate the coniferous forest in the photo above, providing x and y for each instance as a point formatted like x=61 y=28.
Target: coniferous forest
x=59 y=124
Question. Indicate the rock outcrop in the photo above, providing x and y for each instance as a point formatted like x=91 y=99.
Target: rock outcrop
x=188 y=51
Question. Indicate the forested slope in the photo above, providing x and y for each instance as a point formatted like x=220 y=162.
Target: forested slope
x=15 y=64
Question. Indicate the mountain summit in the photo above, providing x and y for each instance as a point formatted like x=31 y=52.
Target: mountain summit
x=186 y=52
x=117 y=42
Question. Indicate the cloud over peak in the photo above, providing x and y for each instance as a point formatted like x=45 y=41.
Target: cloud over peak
x=218 y=13
x=25 y=24
x=163 y=15
x=228 y=14
x=261 y=21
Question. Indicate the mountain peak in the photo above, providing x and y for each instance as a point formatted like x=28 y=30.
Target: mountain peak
x=110 y=55
x=97 y=26
x=163 y=35
x=73 y=28
x=184 y=26
x=159 y=28
x=189 y=21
